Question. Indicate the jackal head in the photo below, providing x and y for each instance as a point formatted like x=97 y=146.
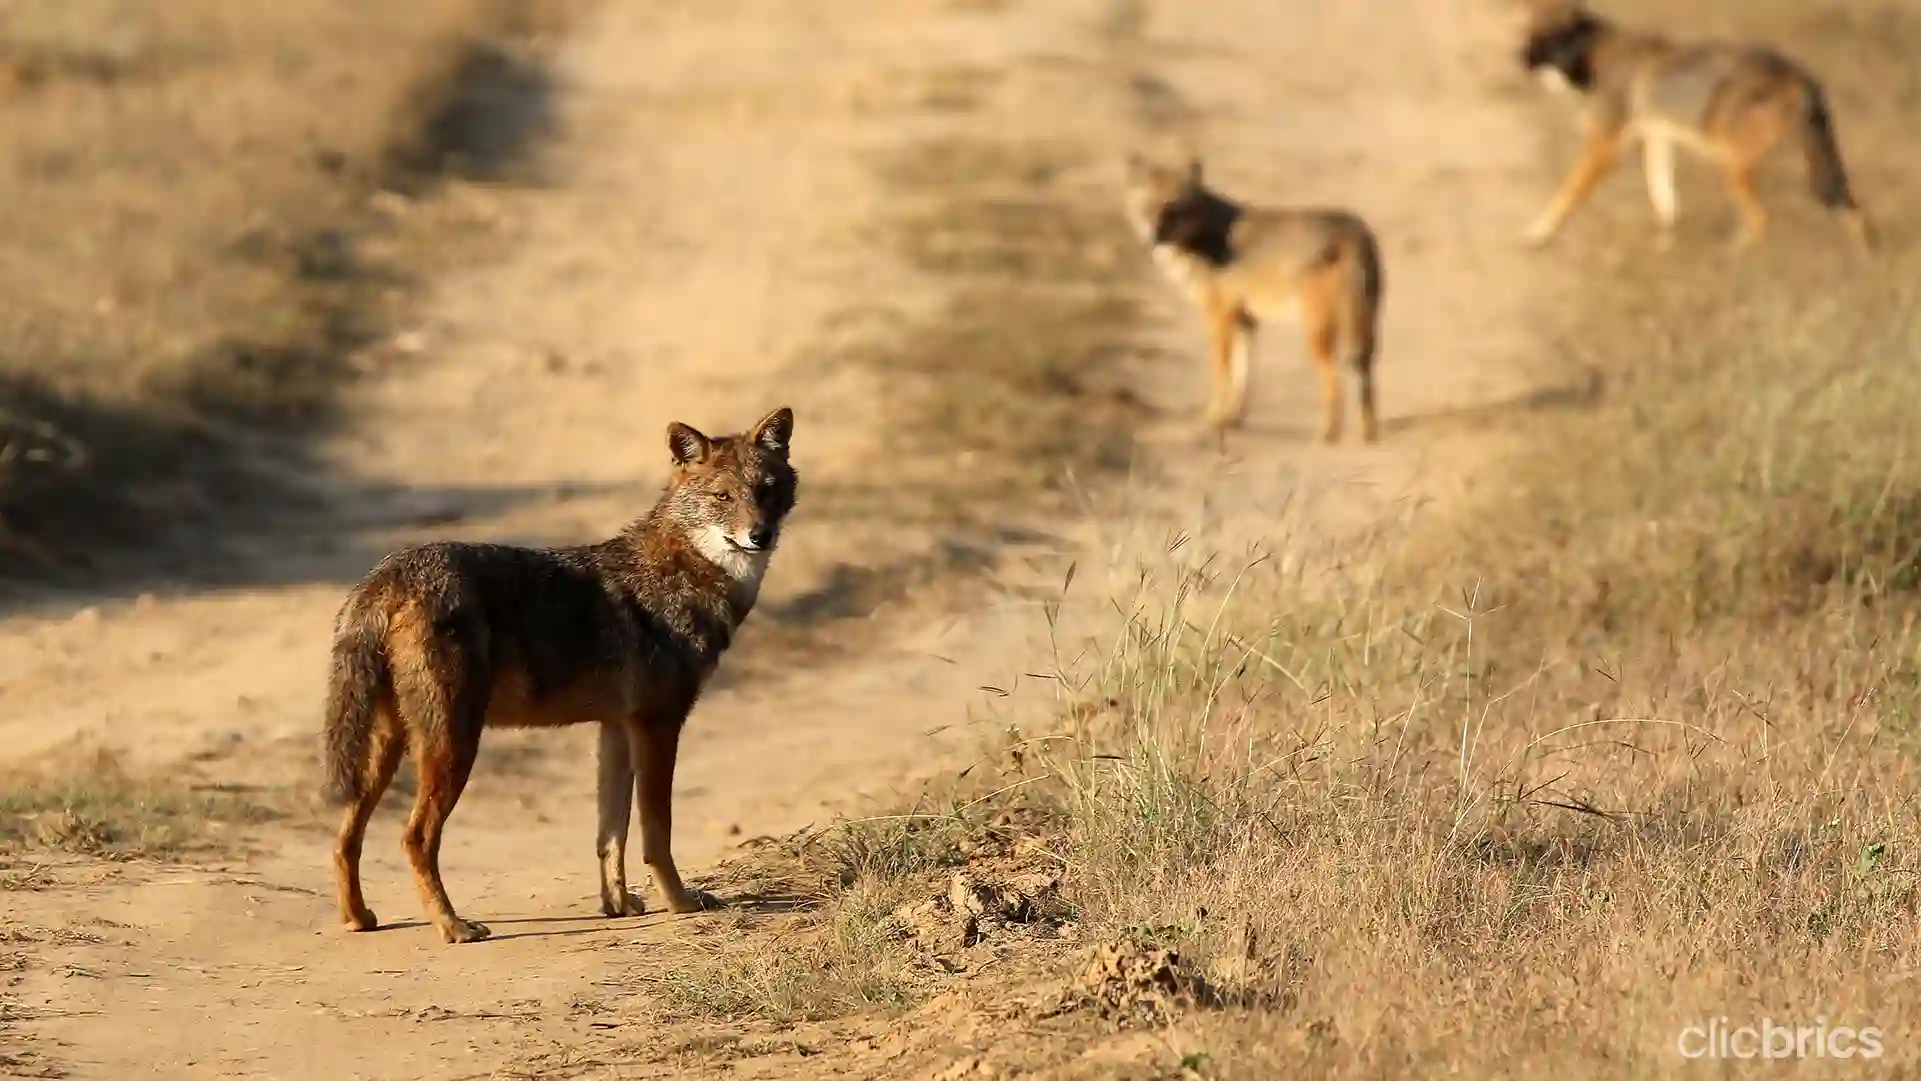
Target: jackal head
x=1151 y=188
x=729 y=494
x=1560 y=40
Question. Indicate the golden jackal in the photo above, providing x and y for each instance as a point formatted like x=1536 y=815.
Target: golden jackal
x=442 y=640
x=1731 y=103
x=1245 y=264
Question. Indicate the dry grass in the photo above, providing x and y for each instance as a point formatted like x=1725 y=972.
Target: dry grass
x=1343 y=819
x=829 y=968
x=1625 y=745
x=98 y=809
x=838 y=950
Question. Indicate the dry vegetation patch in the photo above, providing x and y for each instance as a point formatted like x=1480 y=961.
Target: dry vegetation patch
x=1318 y=820
x=90 y=806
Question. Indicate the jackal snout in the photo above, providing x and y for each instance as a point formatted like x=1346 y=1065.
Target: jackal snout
x=1151 y=187
x=1557 y=46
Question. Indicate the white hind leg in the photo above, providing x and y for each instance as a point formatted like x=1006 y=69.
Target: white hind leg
x=1236 y=406
x=1657 y=160
x=1228 y=329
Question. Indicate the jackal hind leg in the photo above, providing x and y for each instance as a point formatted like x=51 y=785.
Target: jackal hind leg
x=1364 y=375
x=1225 y=323
x=1239 y=362
x=1323 y=337
x=384 y=761
x=445 y=741
x=1747 y=200
x=1657 y=163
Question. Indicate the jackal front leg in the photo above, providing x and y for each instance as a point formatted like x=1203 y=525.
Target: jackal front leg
x=655 y=747
x=1229 y=338
x=1597 y=157
x=616 y=795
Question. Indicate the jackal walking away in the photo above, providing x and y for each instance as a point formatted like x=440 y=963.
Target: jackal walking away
x=1728 y=102
x=442 y=640
x=1243 y=264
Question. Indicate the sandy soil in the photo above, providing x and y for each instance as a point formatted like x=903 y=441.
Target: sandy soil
x=710 y=228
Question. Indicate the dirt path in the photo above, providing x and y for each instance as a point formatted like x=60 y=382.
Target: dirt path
x=711 y=232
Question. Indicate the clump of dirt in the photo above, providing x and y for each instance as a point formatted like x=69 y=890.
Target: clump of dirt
x=1130 y=983
x=1020 y=832
x=1002 y=883
x=987 y=899
x=971 y=1068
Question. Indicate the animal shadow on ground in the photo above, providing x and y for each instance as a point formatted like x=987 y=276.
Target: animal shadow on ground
x=1581 y=396
x=529 y=926
x=749 y=904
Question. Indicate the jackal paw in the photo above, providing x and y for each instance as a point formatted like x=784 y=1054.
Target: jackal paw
x=1538 y=234
x=459 y=930
x=364 y=920
x=1664 y=240
x=628 y=905
x=694 y=900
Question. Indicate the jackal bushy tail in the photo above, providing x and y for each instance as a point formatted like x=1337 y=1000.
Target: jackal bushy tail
x=1827 y=177
x=359 y=680
x=1363 y=308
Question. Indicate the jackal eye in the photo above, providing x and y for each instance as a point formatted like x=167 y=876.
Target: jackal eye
x=724 y=496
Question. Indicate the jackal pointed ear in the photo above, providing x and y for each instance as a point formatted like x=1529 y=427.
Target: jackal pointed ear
x=1194 y=172
x=775 y=431
x=686 y=444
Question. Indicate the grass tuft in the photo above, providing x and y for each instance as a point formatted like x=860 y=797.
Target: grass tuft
x=102 y=811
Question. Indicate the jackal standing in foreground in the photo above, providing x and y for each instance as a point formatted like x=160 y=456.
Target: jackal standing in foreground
x=1731 y=103
x=1244 y=264
x=442 y=640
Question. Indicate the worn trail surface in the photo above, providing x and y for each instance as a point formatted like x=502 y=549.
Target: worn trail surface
x=712 y=238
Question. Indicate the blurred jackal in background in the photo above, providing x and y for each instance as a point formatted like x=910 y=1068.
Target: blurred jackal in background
x=1244 y=264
